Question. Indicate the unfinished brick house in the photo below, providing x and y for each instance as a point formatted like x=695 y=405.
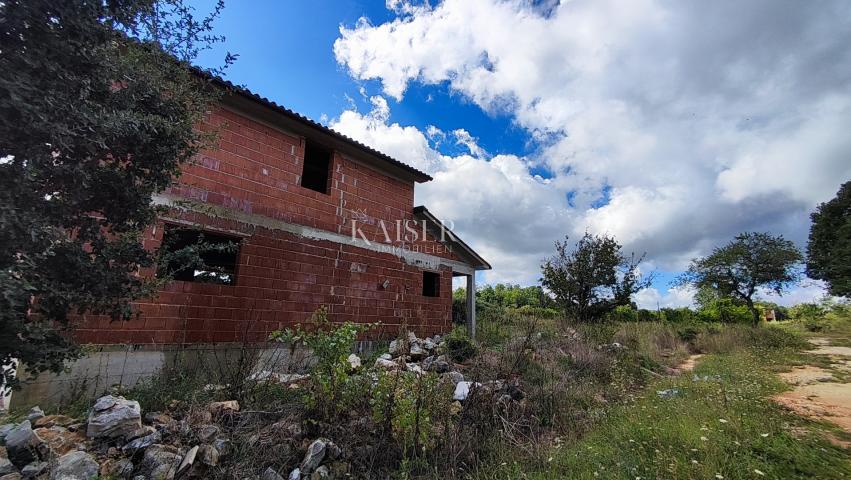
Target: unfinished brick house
x=319 y=219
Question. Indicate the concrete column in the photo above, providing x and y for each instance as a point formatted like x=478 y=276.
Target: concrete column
x=471 y=305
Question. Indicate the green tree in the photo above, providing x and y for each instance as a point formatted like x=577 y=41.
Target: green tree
x=829 y=246
x=750 y=262
x=98 y=111
x=593 y=278
x=508 y=295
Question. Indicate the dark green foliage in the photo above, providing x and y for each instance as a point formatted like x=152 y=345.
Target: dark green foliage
x=585 y=280
x=459 y=346
x=493 y=300
x=93 y=122
x=829 y=247
x=508 y=295
x=749 y=262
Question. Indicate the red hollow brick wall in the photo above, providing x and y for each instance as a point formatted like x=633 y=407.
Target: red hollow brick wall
x=282 y=278
x=257 y=169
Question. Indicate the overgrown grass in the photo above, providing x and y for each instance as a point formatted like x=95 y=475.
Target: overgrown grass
x=720 y=426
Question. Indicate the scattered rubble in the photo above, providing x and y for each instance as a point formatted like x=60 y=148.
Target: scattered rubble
x=114 y=417
x=354 y=362
x=34 y=470
x=76 y=465
x=6 y=467
x=159 y=461
x=24 y=446
x=35 y=413
x=271 y=474
x=185 y=442
x=462 y=390
x=220 y=408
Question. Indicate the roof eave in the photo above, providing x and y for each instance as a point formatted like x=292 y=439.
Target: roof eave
x=477 y=262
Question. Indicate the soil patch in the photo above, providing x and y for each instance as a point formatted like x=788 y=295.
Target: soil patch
x=832 y=351
x=807 y=375
x=816 y=395
x=689 y=364
x=824 y=401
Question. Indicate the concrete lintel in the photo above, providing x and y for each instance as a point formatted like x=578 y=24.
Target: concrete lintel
x=417 y=259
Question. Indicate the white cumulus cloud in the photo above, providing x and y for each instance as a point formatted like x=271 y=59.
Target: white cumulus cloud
x=671 y=125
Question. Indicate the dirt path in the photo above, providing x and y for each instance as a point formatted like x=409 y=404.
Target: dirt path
x=818 y=393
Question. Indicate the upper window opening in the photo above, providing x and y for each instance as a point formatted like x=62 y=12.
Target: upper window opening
x=431 y=284
x=317 y=165
x=199 y=256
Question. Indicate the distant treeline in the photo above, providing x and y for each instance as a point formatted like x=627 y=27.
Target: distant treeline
x=709 y=307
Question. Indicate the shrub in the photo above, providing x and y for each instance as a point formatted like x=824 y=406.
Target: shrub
x=656 y=342
x=623 y=313
x=726 y=340
x=816 y=325
x=330 y=344
x=775 y=338
x=459 y=346
x=735 y=337
x=410 y=406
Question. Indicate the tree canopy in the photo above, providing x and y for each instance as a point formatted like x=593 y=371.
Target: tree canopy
x=749 y=262
x=829 y=246
x=97 y=112
x=591 y=279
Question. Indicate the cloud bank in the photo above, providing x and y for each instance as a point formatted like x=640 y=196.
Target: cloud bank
x=670 y=125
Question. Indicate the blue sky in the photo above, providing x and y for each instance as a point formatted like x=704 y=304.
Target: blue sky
x=285 y=54
x=672 y=126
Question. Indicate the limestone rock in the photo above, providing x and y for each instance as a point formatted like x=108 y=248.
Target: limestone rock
x=207 y=433
x=140 y=432
x=52 y=421
x=455 y=377
x=320 y=473
x=160 y=462
x=60 y=440
x=114 y=417
x=270 y=474
x=386 y=364
x=142 y=443
x=188 y=461
x=5 y=429
x=35 y=413
x=295 y=474
x=417 y=352
x=157 y=418
x=117 y=468
x=354 y=362
x=397 y=348
x=437 y=364
x=6 y=467
x=462 y=390
x=34 y=469
x=24 y=446
x=208 y=455
x=75 y=465
x=219 y=408
x=314 y=456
